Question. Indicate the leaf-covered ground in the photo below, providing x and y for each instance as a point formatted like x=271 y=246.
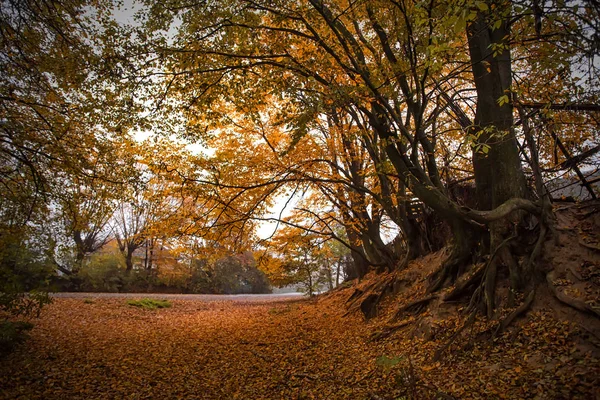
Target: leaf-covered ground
x=106 y=349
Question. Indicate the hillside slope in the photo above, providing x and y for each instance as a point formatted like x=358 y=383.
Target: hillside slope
x=549 y=347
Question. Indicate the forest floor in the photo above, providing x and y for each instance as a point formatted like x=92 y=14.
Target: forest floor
x=103 y=348
x=106 y=349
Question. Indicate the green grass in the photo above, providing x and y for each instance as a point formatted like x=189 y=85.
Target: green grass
x=88 y=301
x=149 y=304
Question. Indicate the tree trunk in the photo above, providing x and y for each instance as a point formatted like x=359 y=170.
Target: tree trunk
x=129 y=260
x=80 y=252
x=309 y=281
x=464 y=245
x=498 y=174
x=360 y=265
x=151 y=260
x=146 y=254
x=329 y=278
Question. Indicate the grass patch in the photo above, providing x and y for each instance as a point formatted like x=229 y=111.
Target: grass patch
x=149 y=304
x=88 y=301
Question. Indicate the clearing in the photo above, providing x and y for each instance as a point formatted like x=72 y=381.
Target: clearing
x=104 y=348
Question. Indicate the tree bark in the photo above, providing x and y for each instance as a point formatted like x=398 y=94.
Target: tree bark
x=498 y=174
x=129 y=260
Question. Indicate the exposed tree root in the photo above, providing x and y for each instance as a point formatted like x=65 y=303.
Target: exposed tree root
x=465 y=283
x=503 y=210
x=459 y=257
x=537 y=250
x=439 y=352
x=576 y=274
x=513 y=315
x=568 y=300
x=388 y=330
x=415 y=306
x=357 y=293
x=367 y=299
x=589 y=246
x=369 y=305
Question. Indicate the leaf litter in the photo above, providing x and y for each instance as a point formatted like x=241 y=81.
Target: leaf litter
x=291 y=350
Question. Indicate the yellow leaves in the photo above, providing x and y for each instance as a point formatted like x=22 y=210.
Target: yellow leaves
x=502 y=100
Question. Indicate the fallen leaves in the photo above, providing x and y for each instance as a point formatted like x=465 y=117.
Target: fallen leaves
x=301 y=350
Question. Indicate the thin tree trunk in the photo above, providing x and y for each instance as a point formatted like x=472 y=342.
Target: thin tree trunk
x=129 y=260
x=329 y=278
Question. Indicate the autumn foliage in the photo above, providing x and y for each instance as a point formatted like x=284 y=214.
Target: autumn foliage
x=233 y=146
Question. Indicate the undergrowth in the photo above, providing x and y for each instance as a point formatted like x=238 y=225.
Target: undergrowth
x=13 y=333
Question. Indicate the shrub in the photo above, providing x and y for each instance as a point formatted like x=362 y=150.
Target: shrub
x=149 y=304
x=24 y=273
x=105 y=272
x=12 y=333
x=25 y=269
x=24 y=304
x=237 y=274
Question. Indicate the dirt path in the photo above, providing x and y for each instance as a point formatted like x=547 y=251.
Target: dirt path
x=193 y=297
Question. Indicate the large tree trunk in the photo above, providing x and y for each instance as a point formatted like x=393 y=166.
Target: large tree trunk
x=498 y=174
x=360 y=265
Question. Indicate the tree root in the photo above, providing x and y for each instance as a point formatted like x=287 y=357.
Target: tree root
x=577 y=304
x=487 y=289
x=576 y=274
x=464 y=283
x=589 y=246
x=367 y=300
x=503 y=210
x=457 y=259
x=358 y=293
x=415 y=306
x=369 y=305
x=518 y=311
x=388 y=330
x=529 y=267
x=354 y=295
x=439 y=352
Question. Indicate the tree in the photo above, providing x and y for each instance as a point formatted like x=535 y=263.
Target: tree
x=406 y=75
x=46 y=57
x=86 y=206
